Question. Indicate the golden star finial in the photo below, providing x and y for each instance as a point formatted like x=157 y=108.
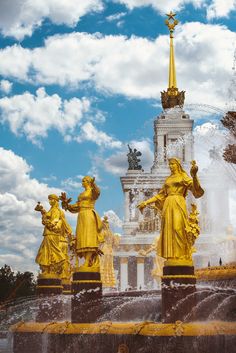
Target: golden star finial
x=171 y=15
x=171 y=22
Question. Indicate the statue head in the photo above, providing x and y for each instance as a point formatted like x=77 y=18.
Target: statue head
x=89 y=182
x=175 y=165
x=53 y=199
x=105 y=219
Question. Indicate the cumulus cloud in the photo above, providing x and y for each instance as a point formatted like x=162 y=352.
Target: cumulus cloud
x=20 y=226
x=115 y=17
x=134 y=67
x=90 y=133
x=25 y=16
x=162 y=6
x=219 y=8
x=34 y=115
x=72 y=183
x=5 y=86
x=113 y=218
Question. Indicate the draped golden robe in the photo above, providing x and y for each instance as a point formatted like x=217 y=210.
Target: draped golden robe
x=89 y=225
x=174 y=219
x=50 y=252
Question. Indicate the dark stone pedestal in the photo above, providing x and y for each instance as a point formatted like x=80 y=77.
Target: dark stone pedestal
x=86 y=304
x=49 y=286
x=50 y=305
x=66 y=284
x=178 y=292
x=129 y=337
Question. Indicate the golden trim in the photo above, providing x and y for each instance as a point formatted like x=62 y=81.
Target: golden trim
x=216 y=273
x=179 y=276
x=194 y=329
x=88 y=269
x=49 y=287
x=178 y=262
x=87 y=281
x=48 y=276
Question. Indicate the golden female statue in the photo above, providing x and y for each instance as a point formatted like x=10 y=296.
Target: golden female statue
x=175 y=224
x=51 y=256
x=89 y=225
x=157 y=270
x=107 y=267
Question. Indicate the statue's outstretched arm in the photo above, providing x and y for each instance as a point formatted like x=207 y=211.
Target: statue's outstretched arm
x=157 y=199
x=74 y=208
x=65 y=203
x=196 y=188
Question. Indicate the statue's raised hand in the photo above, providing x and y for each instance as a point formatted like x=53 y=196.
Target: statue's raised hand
x=194 y=169
x=141 y=206
x=40 y=208
x=64 y=201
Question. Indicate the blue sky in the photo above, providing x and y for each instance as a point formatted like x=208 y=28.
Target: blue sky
x=80 y=80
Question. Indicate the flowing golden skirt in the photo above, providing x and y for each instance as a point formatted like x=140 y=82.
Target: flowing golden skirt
x=173 y=238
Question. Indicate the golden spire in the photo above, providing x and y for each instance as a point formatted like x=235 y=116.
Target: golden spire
x=171 y=22
x=172 y=97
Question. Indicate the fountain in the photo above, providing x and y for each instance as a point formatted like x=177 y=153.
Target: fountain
x=182 y=317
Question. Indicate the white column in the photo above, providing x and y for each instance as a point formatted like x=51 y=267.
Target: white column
x=160 y=148
x=140 y=272
x=140 y=199
x=123 y=273
x=188 y=151
x=127 y=212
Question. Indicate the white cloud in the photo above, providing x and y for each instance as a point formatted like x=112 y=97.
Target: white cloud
x=71 y=184
x=5 y=86
x=35 y=115
x=219 y=8
x=15 y=62
x=162 y=6
x=90 y=133
x=116 y=16
x=24 y=16
x=135 y=67
x=113 y=218
x=20 y=225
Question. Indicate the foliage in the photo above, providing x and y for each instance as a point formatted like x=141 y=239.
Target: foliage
x=229 y=122
x=14 y=285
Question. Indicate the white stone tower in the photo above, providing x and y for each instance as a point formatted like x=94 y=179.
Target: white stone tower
x=172 y=137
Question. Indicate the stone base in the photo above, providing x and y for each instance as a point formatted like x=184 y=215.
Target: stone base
x=67 y=288
x=86 y=286
x=50 y=306
x=178 y=282
x=48 y=286
x=126 y=337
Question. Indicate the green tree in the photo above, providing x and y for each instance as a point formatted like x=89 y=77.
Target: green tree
x=17 y=285
x=7 y=280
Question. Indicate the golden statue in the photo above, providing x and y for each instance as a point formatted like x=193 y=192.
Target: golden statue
x=51 y=256
x=175 y=245
x=66 y=241
x=157 y=270
x=89 y=233
x=107 y=268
